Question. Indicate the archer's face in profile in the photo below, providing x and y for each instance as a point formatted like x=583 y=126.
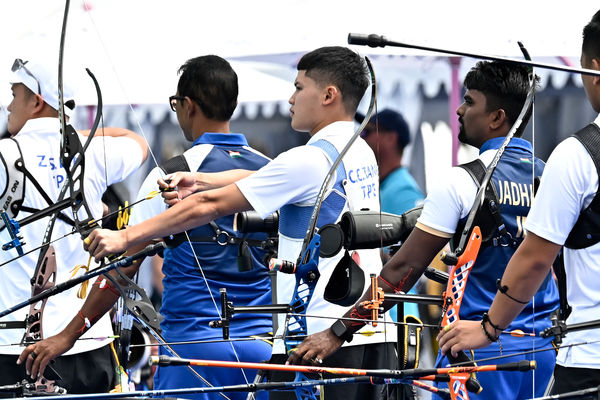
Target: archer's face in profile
x=591 y=84
x=20 y=108
x=305 y=103
x=473 y=118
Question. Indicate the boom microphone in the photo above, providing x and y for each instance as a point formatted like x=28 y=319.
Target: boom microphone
x=371 y=40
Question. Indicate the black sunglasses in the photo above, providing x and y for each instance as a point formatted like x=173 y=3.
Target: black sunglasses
x=20 y=64
x=173 y=101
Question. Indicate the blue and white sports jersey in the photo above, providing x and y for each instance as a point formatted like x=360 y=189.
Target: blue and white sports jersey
x=187 y=304
x=448 y=204
x=513 y=180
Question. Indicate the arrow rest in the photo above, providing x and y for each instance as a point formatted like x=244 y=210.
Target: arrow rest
x=13 y=228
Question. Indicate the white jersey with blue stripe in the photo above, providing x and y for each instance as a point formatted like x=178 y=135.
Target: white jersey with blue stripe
x=295 y=177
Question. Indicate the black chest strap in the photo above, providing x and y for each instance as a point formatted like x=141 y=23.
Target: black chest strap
x=17 y=175
x=221 y=237
x=586 y=231
x=11 y=196
x=177 y=163
x=488 y=216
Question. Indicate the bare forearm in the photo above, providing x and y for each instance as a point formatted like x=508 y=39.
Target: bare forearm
x=523 y=276
x=195 y=210
x=214 y=180
x=401 y=272
x=120 y=132
x=101 y=299
x=187 y=214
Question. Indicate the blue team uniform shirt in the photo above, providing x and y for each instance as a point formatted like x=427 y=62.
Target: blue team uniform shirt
x=513 y=180
x=187 y=305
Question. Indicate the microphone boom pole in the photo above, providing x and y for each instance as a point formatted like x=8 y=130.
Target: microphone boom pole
x=374 y=40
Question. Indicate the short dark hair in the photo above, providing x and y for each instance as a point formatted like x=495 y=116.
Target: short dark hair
x=341 y=67
x=591 y=38
x=212 y=84
x=504 y=85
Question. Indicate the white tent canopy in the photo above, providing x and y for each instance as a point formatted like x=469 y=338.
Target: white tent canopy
x=135 y=46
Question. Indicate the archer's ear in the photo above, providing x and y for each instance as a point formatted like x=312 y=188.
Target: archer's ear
x=596 y=66
x=498 y=118
x=192 y=107
x=332 y=93
x=38 y=103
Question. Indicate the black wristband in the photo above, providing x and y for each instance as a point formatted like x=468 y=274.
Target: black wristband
x=340 y=330
x=504 y=291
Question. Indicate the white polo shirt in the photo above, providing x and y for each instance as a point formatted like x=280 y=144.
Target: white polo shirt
x=569 y=183
x=295 y=177
x=107 y=160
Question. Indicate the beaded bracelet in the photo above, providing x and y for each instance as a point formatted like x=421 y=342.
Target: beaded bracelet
x=489 y=337
x=486 y=318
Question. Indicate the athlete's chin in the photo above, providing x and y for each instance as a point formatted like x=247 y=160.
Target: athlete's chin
x=298 y=126
x=462 y=137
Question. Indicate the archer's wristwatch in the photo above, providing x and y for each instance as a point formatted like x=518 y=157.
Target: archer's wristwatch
x=340 y=330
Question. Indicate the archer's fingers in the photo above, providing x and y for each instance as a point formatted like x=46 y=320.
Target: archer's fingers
x=446 y=333
x=90 y=243
x=449 y=343
x=31 y=363
x=170 y=181
x=23 y=356
x=308 y=358
x=163 y=183
x=295 y=356
x=170 y=198
x=39 y=366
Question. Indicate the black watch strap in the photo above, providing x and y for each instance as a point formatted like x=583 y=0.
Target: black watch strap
x=340 y=330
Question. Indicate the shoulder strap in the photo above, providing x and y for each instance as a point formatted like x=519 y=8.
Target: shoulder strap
x=177 y=163
x=590 y=139
x=14 y=192
x=488 y=216
x=561 y=279
x=476 y=169
x=586 y=231
x=332 y=152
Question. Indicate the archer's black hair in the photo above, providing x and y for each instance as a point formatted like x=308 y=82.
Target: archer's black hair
x=504 y=85
x=341 y=67
x=591 y=38
x=212 y=84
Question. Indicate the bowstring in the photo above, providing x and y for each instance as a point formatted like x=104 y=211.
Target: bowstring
x=532 y=77
x=398 y=305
